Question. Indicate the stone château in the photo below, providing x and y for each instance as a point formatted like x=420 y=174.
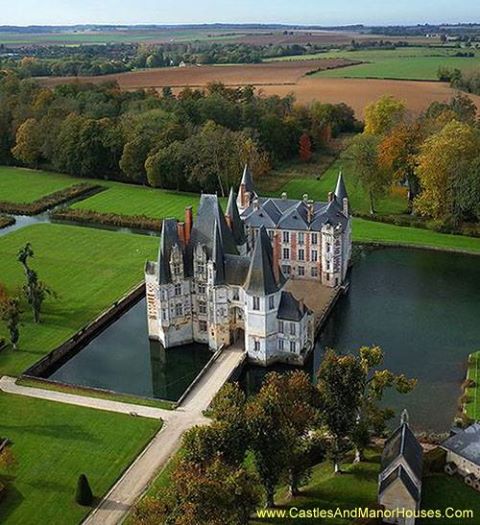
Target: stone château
x=221 y=278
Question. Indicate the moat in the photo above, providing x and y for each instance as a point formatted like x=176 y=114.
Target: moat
x=422 y=307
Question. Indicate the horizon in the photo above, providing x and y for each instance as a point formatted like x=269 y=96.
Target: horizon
x=27 y=13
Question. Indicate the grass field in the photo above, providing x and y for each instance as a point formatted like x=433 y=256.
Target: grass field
x=472 y=406
x=410 y=63
x=21 y=185
x=88 y=269
x=53 y=444
x=126 y=199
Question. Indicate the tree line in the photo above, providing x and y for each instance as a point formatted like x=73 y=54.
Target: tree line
x=198 y=139
x=253 y=445
x=436 y=155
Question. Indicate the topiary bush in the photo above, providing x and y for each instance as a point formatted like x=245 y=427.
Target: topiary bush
x=83 y=494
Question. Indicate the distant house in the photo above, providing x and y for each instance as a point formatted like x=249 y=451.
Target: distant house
x=463 y=454
x=400 y=480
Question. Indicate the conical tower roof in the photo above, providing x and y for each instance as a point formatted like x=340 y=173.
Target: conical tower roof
x=238 y=228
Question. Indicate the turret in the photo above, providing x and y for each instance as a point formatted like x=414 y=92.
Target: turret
x=342 y=195
x=246 y=192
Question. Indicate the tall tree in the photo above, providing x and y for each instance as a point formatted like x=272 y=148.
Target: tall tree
x=383 y=115
x=10 y=313
x=305 y=148
x=372 y=176
x=29 y=141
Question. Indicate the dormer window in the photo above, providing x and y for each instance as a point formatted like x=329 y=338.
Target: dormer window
x=178 y=289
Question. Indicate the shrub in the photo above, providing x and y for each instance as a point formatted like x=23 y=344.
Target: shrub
x=83 y=494
x=434 y=461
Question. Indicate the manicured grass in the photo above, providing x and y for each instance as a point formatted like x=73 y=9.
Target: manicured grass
x=393 y=203
x=22 y=185
x=53 y=444
x=88 y=269
x=409 y=63
x=472 y=406
x=440 y=491
x=90 y=392
x=126 y=199
x=365 y=231
x=356 y=487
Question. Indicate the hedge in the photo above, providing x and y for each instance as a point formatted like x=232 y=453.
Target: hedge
x=6 y=221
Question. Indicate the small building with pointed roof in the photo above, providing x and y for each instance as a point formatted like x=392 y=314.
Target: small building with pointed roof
x=221 y=278
x=400 y=479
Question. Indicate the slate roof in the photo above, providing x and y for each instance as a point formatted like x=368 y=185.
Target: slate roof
x=247 y=180
x=261 y=278
x=403 y=443
x=341 y=190
x=466 y=443
x=238 y=228
x=402 y=474
x=168 y=239
x=290 y=309
x=290 y=214
x=236 y=269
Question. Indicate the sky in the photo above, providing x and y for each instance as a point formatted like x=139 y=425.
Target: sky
x=315 y=12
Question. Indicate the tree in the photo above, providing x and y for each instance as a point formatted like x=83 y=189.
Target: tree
x=305 y=148
x=372 y=176
x=35 y=290
x=10 y=313
x=83 y=493
x=339 y=382
x=29 y=141
x=8 y=460
x=383 y=115
x=442 y=154
x=398 y=152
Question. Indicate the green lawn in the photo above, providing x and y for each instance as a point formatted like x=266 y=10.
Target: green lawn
x=53 y=444
x=395 y=202
x=356 y=487
x=377 y=232
x=126 y=199
x=473 y=395
x=88 y=269
x=22 y=185
x=409 y=63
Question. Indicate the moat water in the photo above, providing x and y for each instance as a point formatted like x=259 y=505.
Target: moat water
x=423 y=308
x=123 y=359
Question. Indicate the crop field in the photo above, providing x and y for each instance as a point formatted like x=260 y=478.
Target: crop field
x=409 y=63
x=53 y=444
x=88 y=269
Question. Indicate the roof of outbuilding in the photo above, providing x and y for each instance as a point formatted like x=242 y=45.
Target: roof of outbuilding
x=402 y=474
x=290 y=309
x=465 y=443
x=403 y=443
x=261 y=277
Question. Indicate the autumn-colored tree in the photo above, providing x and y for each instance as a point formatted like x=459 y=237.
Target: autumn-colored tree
x=29 y=140
x=10 y=313
x=305 y=148
x=372 y=176
x=397 y=152
x=439 y=162
x=256 y=158
x=383 y=115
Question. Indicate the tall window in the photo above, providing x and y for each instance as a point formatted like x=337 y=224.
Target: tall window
x=286 y=236
x=314 y=238
x=179 y=310
x=236 y=296
x=292 y=329
x=301 y=271
x=286 y=253
x=256 y=303
x=202 y=288
x=314 y=255
x=315 y=272
x=178 y=289
x=202 y=326
x=202 y=307
x=301 y=237
x=293 y=346
x=256 y=346
x=280 y=326
x=177 y=269
x=280 y=344
x=301 y=254
x=271 y=302
x=200 y=267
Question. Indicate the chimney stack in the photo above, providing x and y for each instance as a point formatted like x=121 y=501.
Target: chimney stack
x=284 y=195
x=188 y=223
x=310 y=211
x=305 y=198
x=181 y=232
x=256 y=204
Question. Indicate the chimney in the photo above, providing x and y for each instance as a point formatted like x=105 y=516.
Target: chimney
x=284 y=195
x=256 y=204
x=229 y=221
x=310 y=211
x=241 y=196
x=276 y=256
x=181 y=232
x=302 y=305
x=188 y=223
x=331 y=196
x=305 y=198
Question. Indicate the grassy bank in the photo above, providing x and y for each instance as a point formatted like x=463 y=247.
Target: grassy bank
x=88 y=269
x=53 y=444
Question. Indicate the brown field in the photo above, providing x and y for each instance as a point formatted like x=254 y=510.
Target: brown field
x=282 y=78
x=270 y=73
